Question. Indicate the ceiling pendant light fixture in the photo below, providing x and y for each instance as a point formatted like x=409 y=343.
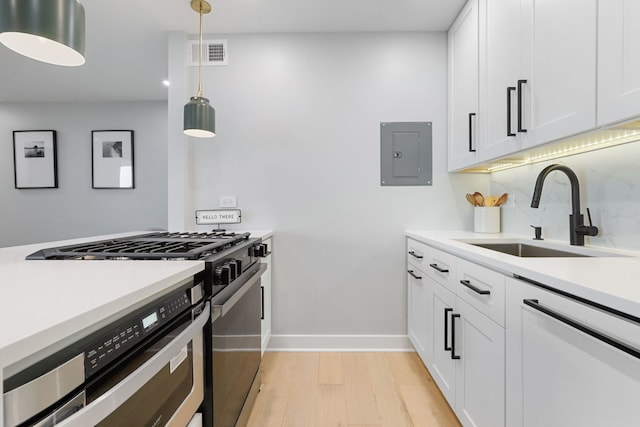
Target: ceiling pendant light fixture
x=50 y=31
x=199 y=115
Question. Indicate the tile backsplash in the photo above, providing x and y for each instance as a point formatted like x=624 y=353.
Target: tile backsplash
x=609 y=187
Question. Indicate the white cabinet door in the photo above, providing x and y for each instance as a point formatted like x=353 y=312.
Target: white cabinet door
x=618 y=60
x=480 y=388
x=419 y=331
x=463 y=87
x=560 y=68
x=559 y=375
x=443 y=366
x=265 y=281
x=500 y=70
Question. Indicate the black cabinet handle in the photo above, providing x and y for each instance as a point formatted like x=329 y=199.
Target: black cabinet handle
x=471 y=149
x=453 y=337
x=441 y=270
x=413 y=275
x=262 y=303
x=412 y=253
x=446 y=328
x=473 y=288
x=520 y=83
x=509 y=90
x=533 y=303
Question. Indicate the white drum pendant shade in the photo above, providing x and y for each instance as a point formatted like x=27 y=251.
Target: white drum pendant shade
x=199 y=118
x=50 y=31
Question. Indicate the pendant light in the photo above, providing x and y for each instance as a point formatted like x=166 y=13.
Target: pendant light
x=199 y=115
x=50 y=31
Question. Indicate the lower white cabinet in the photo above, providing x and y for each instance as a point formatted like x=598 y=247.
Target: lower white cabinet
x=558 y=372
x=419 y=293
x=265 y=282
x=460 y=344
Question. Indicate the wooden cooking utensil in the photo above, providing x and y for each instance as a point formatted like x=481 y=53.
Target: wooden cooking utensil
x=479 y=198
x=471 y=199
x=490 y=201
x=502 y=200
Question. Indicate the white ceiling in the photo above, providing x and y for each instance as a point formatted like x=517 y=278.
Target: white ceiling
x=126 y=40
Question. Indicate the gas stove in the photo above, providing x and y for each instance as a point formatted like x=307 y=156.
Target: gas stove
x=151 y=246
x=228 y=256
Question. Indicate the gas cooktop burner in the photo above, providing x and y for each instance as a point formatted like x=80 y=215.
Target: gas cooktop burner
x=156 y=246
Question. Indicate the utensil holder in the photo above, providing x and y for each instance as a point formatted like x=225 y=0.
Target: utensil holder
x=486 y=219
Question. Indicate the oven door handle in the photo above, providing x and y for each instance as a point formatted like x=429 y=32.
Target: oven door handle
x=222 y=309
x=104 y=405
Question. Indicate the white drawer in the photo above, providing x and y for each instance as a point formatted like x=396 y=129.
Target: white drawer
x=440 y=266
x=417 y=254
x=482 y=288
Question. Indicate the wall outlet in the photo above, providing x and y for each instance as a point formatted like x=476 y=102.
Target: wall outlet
x=228 y=202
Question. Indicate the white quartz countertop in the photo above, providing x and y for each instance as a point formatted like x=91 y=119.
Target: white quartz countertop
x=608 y=280
x=43 y=302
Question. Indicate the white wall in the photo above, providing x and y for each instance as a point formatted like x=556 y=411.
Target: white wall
x=608 y=186
x=75 y=209
x=297 y=143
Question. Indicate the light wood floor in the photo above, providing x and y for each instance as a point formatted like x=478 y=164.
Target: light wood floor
x=348 y=389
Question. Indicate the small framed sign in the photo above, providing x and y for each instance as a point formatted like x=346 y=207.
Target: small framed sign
x=218 y=216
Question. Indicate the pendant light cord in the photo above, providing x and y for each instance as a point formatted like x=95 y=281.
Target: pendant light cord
x=200 y=57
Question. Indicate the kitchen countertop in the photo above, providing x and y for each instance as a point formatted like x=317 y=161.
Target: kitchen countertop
x=607 y=280
x=45 y=304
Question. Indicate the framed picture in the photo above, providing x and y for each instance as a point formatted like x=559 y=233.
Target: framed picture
x=112 y=154
x=34 y=159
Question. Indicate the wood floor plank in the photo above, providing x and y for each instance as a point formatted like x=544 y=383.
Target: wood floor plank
x=270 y=406
x=391 y=408
x=305 y=368
x=362 y=408
x=330 y=368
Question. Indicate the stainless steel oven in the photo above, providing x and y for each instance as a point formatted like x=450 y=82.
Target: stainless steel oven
x=234 y=363
x=143 y=369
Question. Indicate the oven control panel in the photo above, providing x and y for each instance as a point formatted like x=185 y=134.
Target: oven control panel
x=126 y=334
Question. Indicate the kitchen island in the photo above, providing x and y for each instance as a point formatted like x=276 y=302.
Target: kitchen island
x=45 y=304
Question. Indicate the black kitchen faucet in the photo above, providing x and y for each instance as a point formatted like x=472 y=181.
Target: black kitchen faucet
x=577 y=230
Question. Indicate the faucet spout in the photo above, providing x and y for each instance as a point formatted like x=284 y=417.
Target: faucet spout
x=577 y=228
x=573 y=179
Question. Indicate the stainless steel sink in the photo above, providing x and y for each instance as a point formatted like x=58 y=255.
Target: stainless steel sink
x=528 y=251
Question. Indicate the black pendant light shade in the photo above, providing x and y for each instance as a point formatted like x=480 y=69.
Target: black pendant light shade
x=199 y=118
x=50 y=31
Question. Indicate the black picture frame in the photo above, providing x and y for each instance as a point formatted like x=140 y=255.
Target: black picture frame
x=112 y=159
x=35 y=159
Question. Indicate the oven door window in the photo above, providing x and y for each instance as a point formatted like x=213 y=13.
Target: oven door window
x=159 y=398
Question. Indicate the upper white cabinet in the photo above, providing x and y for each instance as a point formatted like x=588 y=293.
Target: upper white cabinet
x=463 y=87
x=618 y=60
x=559 y=66
x=500 y=70
x=546 y=71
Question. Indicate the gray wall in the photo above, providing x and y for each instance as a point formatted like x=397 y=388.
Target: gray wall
x=75 y=209
x=298 y=144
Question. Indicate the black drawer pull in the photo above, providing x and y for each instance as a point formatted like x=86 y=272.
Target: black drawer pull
x=473 y=288
x=533 y=303
x=446 y=328
x=509 y=90
x=471 y=149
x=441 y=270
x=413 y=254
x=413 y=275
x=262 y=303
x=453 y=337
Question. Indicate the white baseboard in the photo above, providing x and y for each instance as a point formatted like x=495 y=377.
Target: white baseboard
x=339 y=343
